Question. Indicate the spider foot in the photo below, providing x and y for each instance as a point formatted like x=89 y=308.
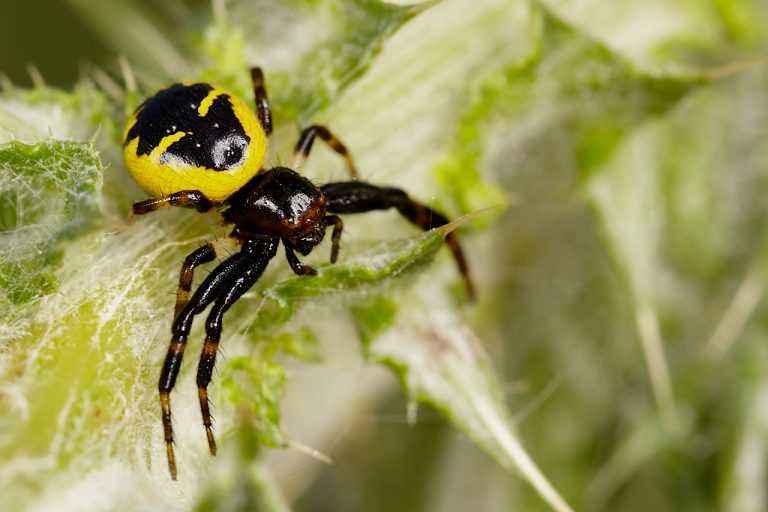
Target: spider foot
x=171 y=458
x=306 y=270
x=211 y=440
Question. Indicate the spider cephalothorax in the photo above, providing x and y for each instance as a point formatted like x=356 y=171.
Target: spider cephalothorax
x=198 y=146
x=280 y=203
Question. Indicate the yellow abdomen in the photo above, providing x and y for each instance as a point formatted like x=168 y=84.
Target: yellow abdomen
x=194 y=137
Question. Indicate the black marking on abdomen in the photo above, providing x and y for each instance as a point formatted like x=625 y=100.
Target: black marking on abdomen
x=215 y=141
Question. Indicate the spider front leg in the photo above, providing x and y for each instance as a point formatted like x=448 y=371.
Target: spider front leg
x=298 y=267
x=185 y=198
x=249 y=262
x=302 y=269
x=359 y=197
x=338 y=226
x=307 y=138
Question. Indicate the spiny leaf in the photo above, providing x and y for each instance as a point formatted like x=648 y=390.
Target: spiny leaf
x=362 y=28
x=332 y=43
x=390 y=259
x=441 y=362
x=255 y=384
x=48 y=192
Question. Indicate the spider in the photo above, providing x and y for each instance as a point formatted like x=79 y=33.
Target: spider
x=198 y=146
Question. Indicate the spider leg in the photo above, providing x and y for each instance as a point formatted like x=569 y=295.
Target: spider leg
x=338 y=226
x=358 y=197
x=298 y=267
x=214 y=285
x=258 y=255
x=184 y=198
x=262 y=102
x=204 y=254
x=307 y=138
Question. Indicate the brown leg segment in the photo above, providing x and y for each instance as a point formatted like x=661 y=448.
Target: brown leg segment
x=307 y=138
x=167 y=381
x=338 y=226
x=298 y=267
x=426 y=218
x=184 y=198
x=204 y=372
x=262 y=102
x=204 y=254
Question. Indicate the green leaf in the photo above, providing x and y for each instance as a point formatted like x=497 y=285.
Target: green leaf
x=440 y=361
x=255 y=384
x=373 y=318
x=375 y=268
x=362 y=277
x=43 y=113
x=48 y=193
x=333 y=43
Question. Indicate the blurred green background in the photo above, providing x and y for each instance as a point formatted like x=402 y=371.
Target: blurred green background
x=64 y=38
x=53 y=37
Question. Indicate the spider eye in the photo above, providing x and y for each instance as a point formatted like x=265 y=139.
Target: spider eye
x=229 y=151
